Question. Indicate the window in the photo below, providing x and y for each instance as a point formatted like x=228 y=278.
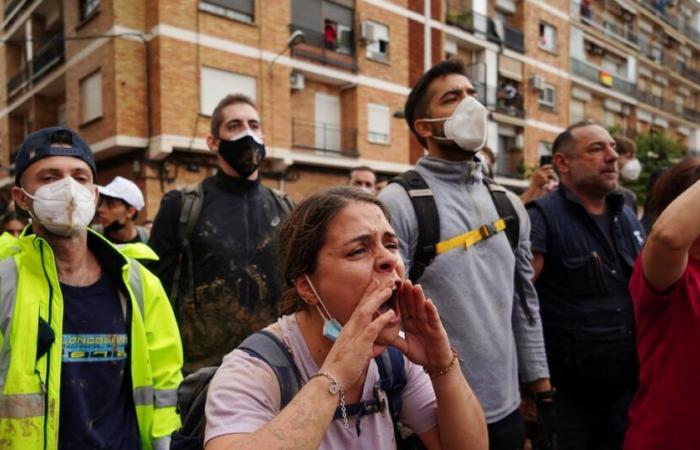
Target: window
x=680 y=101
x=91 y=97
x=243 y=10
x=548 y=97
x=577 y=111
x=88 y=8
x=378 y=123
x=609 y=119
x=548 y=37
x=377 y=36
x=325 y=24
x=216 y=84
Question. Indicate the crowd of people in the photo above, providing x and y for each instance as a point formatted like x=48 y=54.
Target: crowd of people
x=418 y=312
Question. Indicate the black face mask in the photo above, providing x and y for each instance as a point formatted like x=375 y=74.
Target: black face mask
x=114 y=226
x=244 y=154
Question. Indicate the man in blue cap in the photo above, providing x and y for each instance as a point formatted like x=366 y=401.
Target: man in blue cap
x=90 y=354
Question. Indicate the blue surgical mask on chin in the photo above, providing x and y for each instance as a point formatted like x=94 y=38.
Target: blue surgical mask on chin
x=331 y=327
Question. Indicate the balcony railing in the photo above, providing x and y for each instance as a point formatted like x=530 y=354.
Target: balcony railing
x=658 y=8
x=459 y=15
x=688 y=72
x=338 y=53
x=325 y=138
x=600 y=76
x=11 y=10
x=514 y=39
x=588 y=16
x=49 y=56
x=691 y=114
x=656 y=101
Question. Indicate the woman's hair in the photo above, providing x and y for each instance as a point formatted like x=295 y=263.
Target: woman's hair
x=303 y=233
x=673 y=182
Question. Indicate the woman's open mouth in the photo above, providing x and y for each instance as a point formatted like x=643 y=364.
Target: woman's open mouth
x=392 y=303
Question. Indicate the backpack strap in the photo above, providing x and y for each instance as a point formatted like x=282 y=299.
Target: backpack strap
x=428 y=220
x=506 y=210
x=267 y=347
x=191 y=206
x=282 y=199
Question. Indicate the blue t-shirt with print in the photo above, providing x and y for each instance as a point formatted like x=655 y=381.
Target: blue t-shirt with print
x=97 y=406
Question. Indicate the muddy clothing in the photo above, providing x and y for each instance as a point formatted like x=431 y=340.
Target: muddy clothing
x=97 y=406
x=236 y=280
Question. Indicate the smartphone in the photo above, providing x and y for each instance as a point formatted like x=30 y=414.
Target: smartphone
x=545 y=159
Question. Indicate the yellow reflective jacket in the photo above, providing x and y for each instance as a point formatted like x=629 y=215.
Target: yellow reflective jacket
x=30 y=388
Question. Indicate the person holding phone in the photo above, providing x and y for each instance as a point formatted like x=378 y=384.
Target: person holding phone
x=544 y=180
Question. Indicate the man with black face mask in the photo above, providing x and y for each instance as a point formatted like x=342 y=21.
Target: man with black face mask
x=120 y=203
x=216 y=241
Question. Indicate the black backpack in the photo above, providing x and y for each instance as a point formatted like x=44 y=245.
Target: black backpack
x=428 y=218
x=191 y=207
x=192 y=392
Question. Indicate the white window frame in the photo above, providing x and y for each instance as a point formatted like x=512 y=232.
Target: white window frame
x=573 y=103
x=374 y=47
x=215 y=84
x=376 y=133
x=91 y=107
x=549 y=44
x=542 y=97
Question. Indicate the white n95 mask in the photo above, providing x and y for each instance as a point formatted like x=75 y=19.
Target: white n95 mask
x=631 y=170
x=466 y=126
x=63 y=206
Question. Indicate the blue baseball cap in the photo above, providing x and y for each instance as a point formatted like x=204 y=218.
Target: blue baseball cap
x=41 y=144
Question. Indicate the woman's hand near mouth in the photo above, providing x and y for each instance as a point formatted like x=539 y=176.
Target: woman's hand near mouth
x=425 y=342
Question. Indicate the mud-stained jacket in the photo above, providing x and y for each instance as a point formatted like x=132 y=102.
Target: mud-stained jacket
x=30 y=387
x=237 y=284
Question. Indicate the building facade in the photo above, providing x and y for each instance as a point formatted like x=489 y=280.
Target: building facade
x=140 y=78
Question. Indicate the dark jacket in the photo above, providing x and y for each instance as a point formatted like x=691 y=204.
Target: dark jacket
x=236 y=277
x=585 y=304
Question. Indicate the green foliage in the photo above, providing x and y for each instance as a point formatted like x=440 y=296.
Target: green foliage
x=655 y=151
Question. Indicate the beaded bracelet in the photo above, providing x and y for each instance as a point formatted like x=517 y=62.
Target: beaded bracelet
x=438 y=373
x=335 y=388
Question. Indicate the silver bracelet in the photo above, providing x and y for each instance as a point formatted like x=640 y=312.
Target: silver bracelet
x=335 y=388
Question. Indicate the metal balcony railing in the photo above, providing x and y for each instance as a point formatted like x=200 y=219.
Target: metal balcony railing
x=11 y=10
x=588 y=16
x=514 y=38
x=325 y=138
x=688 y=72
x=598 y=75
x=661 y=10
x=338 y=53
x=460 y=15
x=691 y=114
x=656 y=101
x=49 y=56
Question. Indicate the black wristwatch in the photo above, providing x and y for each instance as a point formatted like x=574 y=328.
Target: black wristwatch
x=545 y=395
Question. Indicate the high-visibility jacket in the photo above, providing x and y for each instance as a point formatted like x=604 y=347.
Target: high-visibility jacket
x=30 y=387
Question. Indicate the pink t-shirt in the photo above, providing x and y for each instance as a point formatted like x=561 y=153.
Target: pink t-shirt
x=664 y=413
x=244 y=396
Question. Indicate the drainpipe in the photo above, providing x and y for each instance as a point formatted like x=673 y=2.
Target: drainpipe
x=427 y=44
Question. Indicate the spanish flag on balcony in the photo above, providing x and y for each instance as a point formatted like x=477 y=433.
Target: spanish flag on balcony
x=605 y=78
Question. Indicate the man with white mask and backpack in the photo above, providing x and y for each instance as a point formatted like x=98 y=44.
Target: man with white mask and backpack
x=466 y=241
x=90 y=354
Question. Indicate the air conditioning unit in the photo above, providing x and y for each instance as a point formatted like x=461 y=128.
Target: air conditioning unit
x=296 y=81
x=367 y=32
x=537 y=82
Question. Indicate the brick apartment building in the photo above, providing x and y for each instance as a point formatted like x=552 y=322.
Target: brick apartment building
x=139 y=78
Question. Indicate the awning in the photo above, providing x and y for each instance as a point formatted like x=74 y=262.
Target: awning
x=510 y=68
x=626 y=6
x=510 y=120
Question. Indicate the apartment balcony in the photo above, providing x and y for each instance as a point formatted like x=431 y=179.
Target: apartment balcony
x=462 y=17
x=691 y=114
x=588 y=16
x=49 y=56
x=661 y=11
x=325 y=138
x=659 y=102
x=338 y=52
x=603 y=77
x=513 y=38
x=687 y=72
x=12 y=9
